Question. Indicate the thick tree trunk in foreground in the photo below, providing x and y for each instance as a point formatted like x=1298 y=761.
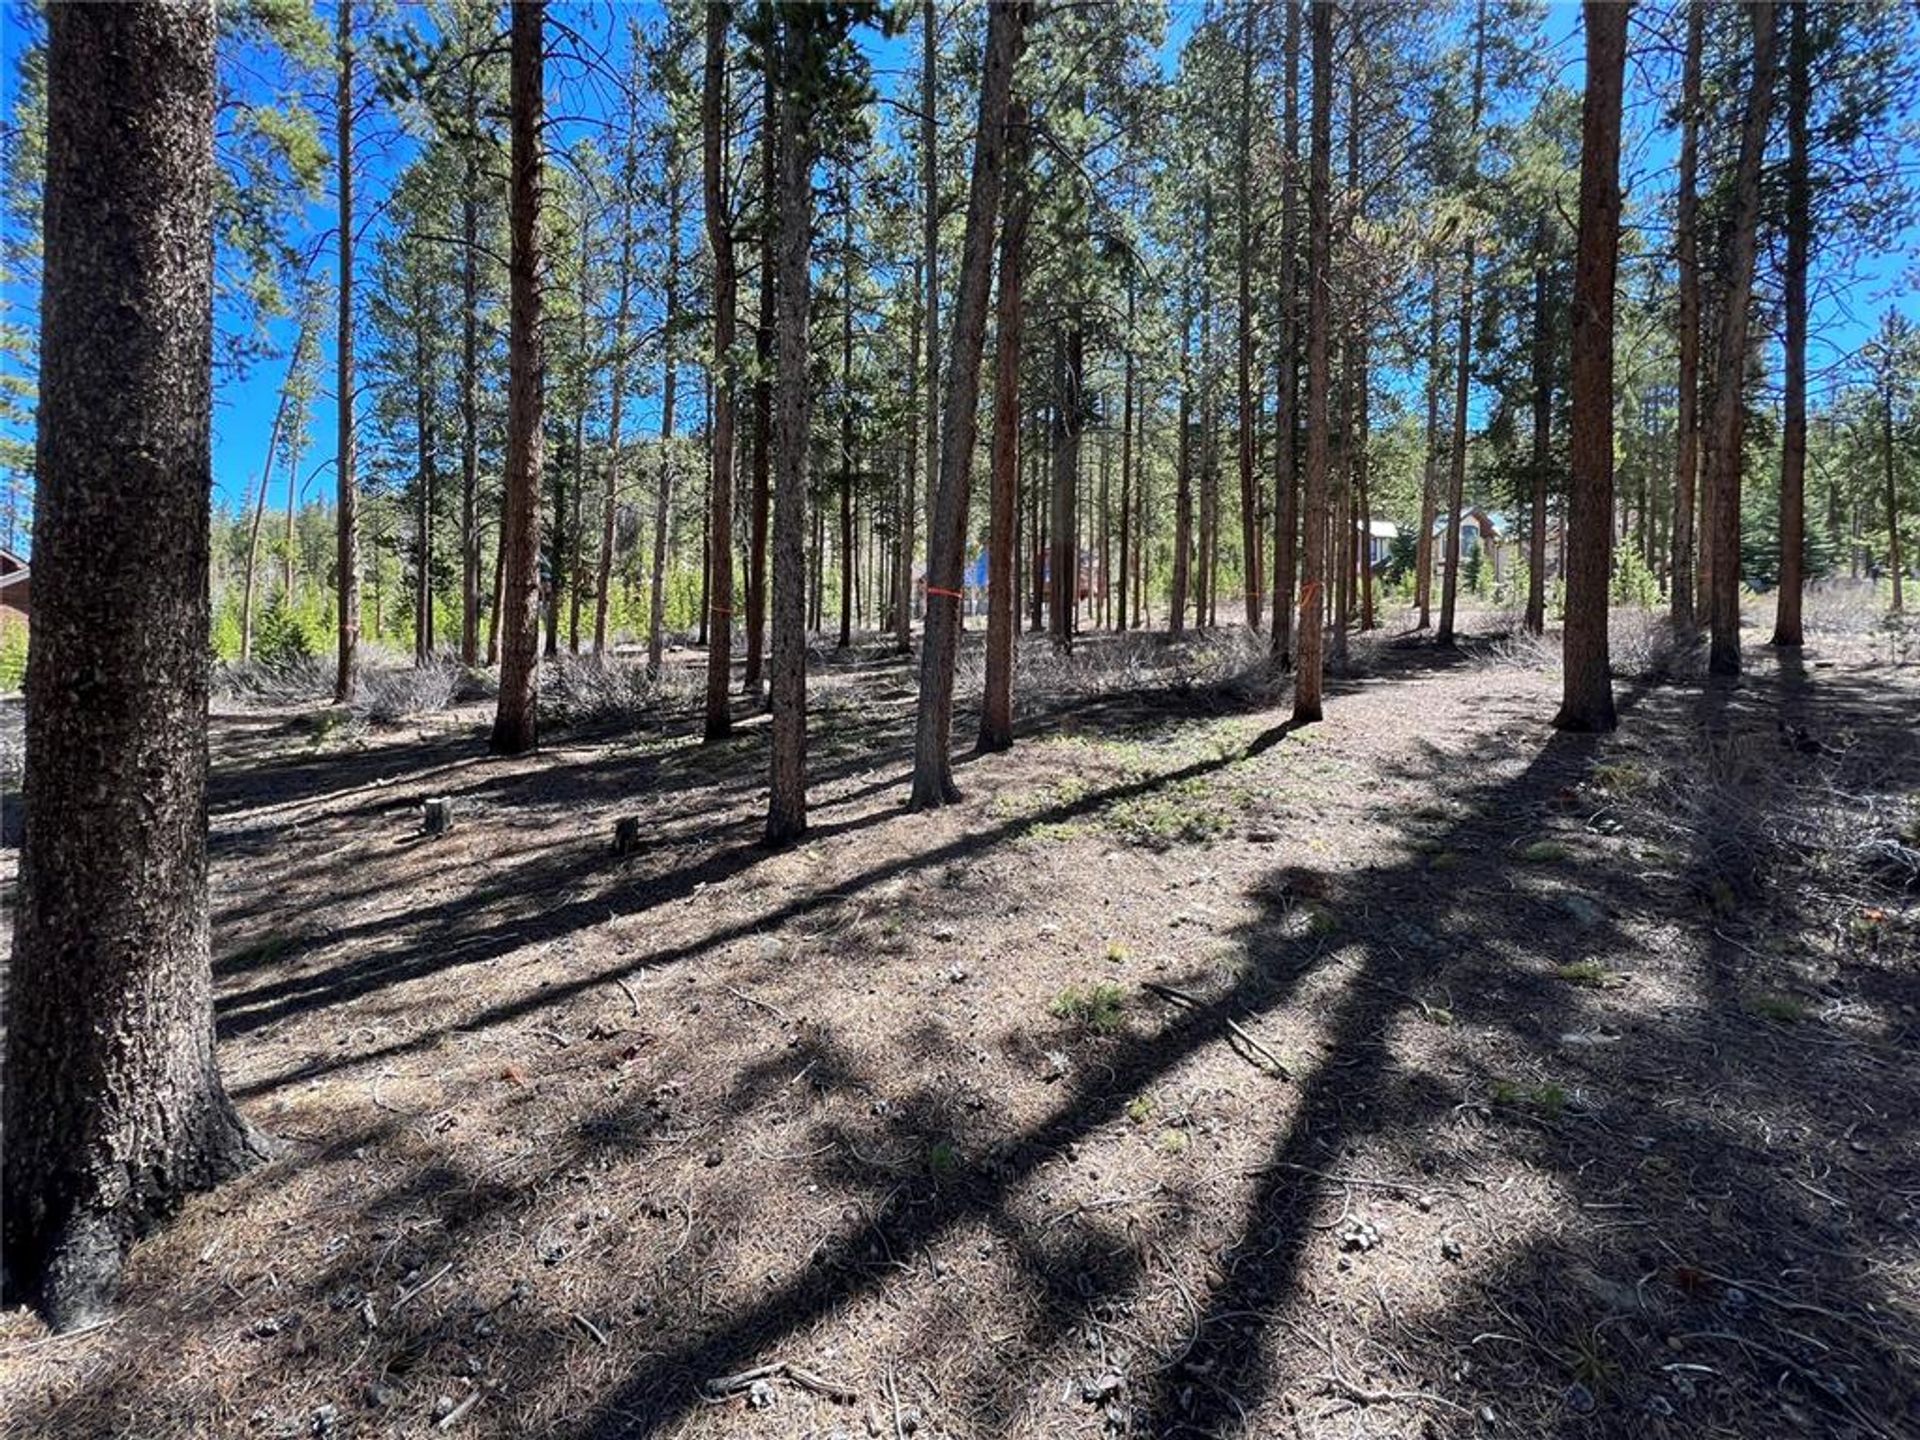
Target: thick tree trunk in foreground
x=787 y=696
x=113 y=1106
x=1686 y=463
x=515 y=719
x=1793 y=434
x=946 y=541
x=1309 y=649
x=726 y=286
x=1726 y=425
x=1587 y=697
x=996 y=709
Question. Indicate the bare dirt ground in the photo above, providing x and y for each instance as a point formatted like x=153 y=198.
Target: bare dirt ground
x=1422 y=1073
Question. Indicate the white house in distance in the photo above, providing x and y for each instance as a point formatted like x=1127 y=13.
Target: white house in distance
x=1486 y=533
x=1380 y=537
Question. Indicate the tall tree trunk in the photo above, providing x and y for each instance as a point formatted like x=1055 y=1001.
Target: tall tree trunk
x=576 y=523
x=260 y=502
x=1250 y=545
x=787 y=788
x=1463 y=363
x=616 y=417
x=1430 y=471
x=996 y=709
x=290 y=539
x=1308 y=649
x=114 y=1108
x=1063 y=564
x=930 y=220
x=556 y=561
x=1287 y=380
x=1536 y=619
x=515 y=727
x=946 y=540
x=753 y=681
x=909 y=495
x=1587 y=697
x=1039 y=549
x=1183 y=474
x=726 y=286
x=846 y=412
x=1126 y=451
x=470 y=375
x=1363 y=518
x=1793 y=434
x=347 y=516
x=1893 y=494
x=423 y=487
x=1724 y=431
x=669 y=386
x=1686 y=466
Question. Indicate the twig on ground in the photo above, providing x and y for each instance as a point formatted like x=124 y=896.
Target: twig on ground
x=769 y=1007
x=592 y=1329
x=723 y=1386
x=459 y=1412
x=1274 y=1064
x=627 y=990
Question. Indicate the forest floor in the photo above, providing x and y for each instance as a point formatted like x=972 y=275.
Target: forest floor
x=1425 y=1072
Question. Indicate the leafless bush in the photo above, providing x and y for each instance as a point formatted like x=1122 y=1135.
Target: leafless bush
x=1520 y=649
x=579 y=691
x=390 y=694
x=296 y=680
x=1643 y=644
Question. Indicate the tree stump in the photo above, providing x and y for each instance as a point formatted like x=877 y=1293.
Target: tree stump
x=438 y=816
x=626 y=835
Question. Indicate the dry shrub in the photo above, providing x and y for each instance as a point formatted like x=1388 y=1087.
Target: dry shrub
x=391 y=694
x=295 y=680
x=1643 y=645
x=1229 y=665
x=580 y=691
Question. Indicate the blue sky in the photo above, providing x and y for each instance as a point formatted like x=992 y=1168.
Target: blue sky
x=245 y=404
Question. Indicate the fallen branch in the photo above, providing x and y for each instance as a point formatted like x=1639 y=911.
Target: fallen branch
x=459 y=1412
x=1274 y=1064
x=723 y=1386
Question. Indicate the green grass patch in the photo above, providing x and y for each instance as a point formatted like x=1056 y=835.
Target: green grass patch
x=1101 y=1008
x=1544 y=1099
x=1546 y=852
x=1587 y=974
x=1781 y=1009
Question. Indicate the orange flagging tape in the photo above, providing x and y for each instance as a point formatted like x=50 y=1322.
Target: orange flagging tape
x=1308 y=592
x=936 y=590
